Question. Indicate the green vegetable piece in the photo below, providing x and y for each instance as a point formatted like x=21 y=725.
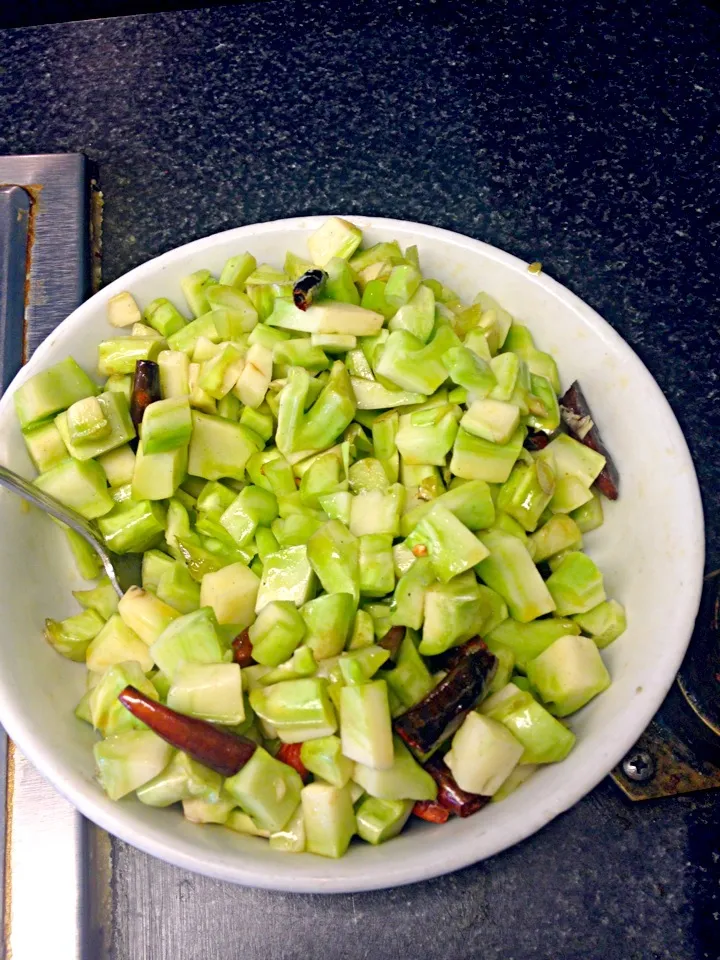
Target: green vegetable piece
x=220 y=448
x=378 y=253
x=164 y=317
x=368 y=474
x=377 y=575
x=292 y=839
x=301 y=664
x=220 y=373
x=403 y=779
x=119 y=465
x=374 y=512
x=604 y=623
x=133 y=527
x=301 y=353
x=324 y=477
x=428 y=437
x=235 y=314
x=232 y=593
x=340 y=284
x=192 y=638
x=251 y=507
x=279 y=476
x=495 y=321
x=323 y=757
x=503 y=669
x=278 y=630
x=506 y=368
x=121 y=355
x=259 y=421
x=410 y=679
x=410 y=365
x=334 y=555
x=477 y=459
x=370 y=395
x=237 y=269
x=568 y=674
x=86 y=559
x=45 y=445
x=365 y=728
x=182 y=779
x=510 y=571
x=287 y=575
x=403 y=282
x=154 y=564
x=200 y=810
x=492 y=420
x=543 y=390
x=101 y=598
x=558 y=533
x=381 y=820
x=417 y=315
x=483 y=754
x=337 y=506
x=452 y=548
x=116 y=643
x=589 y=516
x=86 y=420
x=329 y=819
x=528 y=640
x=527 y=492
x=545 y=739
x=158 y=475
x=209 y=691
x=571 y=458
x=470 y=371
x=298 y=710
x=145 y=614
x=214 y=499
x=451 y=614
x=363 y=632
x=268 y=790
x=359 y=666
x=80 y=486
x=71 y=637
x=120 y=428
x=327 y=621
x=576 y=585
x=471 y=503
x=50 y=391
x=229 y=408
x=335 y=238
x=571 y=493
x=409 y=598
x=107 y=714
x=177 y=588
x=184 y=340
x=129 y=760
x=174 y=373
x=194 y=288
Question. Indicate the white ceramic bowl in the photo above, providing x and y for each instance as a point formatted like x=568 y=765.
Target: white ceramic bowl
x=650 y=549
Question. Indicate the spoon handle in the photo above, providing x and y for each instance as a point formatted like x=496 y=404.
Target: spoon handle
x=38 y=498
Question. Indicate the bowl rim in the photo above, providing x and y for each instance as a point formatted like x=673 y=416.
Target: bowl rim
x=120 y=822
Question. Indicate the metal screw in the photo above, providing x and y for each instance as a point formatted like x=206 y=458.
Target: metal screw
x=639 y=766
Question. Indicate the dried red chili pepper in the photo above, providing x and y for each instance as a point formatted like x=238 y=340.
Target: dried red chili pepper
x=222 y=751
x=242 y=649
x=431 y=811
x=578 y=418
x=289 y=753
x=146 y=389
x=450 y=795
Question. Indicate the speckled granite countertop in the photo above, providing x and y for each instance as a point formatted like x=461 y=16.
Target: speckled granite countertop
x=583 y=135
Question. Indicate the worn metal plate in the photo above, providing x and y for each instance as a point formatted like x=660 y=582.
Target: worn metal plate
x=48 y=254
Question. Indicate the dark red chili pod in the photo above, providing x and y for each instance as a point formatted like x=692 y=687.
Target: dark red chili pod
x=450 y=795
x=438 y=715
x=431 y=811
x=578 y=419
x=242 y=649
x=146 y=389
x=222 y=751
x=308 y=287
x=392 y=640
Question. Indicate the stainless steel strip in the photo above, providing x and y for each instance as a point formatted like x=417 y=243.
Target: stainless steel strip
x=53 y=857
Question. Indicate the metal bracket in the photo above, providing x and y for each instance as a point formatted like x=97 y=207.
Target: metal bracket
x=680 y=750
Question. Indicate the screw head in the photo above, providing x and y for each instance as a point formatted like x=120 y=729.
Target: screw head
x=639 y=766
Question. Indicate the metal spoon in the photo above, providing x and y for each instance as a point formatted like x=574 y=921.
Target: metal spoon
x=122 y=571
